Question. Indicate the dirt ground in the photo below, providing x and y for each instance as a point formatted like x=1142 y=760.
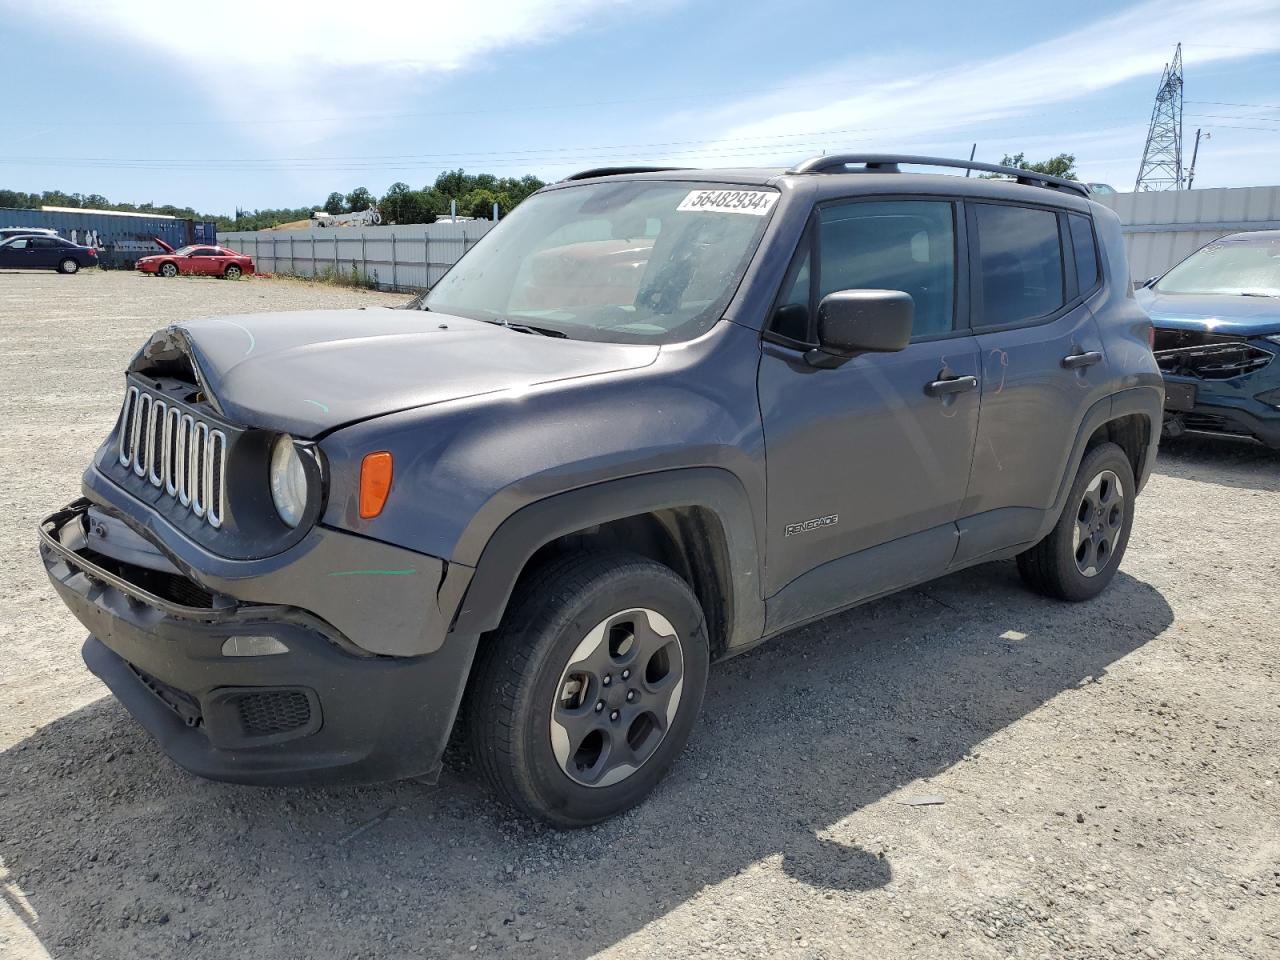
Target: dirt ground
x=1108 y=771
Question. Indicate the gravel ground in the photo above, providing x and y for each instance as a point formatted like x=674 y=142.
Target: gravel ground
x=1108 y=771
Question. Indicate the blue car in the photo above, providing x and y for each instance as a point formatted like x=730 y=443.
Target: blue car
x=40 y=251
x=1217 y=338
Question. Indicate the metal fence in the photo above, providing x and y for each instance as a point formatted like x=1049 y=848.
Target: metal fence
x=1162 y=227
x=410 y=257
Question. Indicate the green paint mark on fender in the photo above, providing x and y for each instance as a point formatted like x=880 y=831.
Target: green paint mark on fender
x=373 y=573
x=322 y=406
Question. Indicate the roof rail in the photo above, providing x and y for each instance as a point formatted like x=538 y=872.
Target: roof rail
x=612 y=171
x=888 y=163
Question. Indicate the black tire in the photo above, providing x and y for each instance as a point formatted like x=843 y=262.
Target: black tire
x=168 y=270
x=232 y=272
x=68 y=266
x=523 y=670
x=1059 y=565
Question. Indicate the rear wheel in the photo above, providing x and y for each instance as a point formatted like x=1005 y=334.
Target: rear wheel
x=1080 y=555
x=168 y=269
x=589 y=690
x=68 y=266
x=232 y=272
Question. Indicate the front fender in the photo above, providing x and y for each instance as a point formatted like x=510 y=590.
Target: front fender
x=517 y=539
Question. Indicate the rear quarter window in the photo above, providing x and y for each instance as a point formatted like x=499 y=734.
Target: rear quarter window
x=1085 y=252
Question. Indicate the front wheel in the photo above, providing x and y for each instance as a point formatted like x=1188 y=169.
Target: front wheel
x=168 y=269
x=587 y=693
x=1081 y=554
x=232 y=272
x=68 y=266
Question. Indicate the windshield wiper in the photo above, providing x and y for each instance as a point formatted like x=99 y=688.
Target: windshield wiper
x=543 y=331
x=1255 y=293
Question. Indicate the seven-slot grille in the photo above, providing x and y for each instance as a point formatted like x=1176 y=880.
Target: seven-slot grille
x=176 y=452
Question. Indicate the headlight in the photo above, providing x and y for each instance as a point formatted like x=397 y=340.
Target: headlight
x=288 y=481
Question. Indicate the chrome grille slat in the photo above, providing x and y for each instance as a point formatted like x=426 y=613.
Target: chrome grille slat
x=172 y=421
x=199 y=468
x=217 y=476
x=126 y=426
x=141 y=418
x=155 y=443
x=181 y=455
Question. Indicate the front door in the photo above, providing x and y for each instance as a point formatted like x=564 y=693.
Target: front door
x=18 y=253
x=1034 y=269
x=871 y=458
x=202 y=262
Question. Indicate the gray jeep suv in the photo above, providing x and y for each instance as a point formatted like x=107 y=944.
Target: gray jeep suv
x=652 y=419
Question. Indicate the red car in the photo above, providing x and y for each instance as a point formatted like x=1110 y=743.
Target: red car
x=201 y=261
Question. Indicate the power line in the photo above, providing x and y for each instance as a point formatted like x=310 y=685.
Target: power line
x=1224 y=103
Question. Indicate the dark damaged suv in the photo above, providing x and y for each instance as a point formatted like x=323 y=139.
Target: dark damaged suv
x=654 y=418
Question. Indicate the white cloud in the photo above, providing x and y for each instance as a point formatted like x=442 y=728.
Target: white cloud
x=898 y=100
x=294 y=36
x=293 y=59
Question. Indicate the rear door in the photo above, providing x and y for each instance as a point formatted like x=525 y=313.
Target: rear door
x=48 y=252
x=1043 y=362
x=870 y=452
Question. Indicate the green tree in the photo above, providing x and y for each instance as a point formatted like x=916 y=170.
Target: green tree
x=1063 y=165
x=335 y=204
x=359 y=199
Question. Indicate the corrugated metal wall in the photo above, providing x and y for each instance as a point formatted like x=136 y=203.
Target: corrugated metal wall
x=409 y=257
x=1162 y=227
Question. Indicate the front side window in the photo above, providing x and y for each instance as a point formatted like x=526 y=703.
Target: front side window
x=906 y=245
x=626 y=261
x=1020 y=263
x=1228 y=267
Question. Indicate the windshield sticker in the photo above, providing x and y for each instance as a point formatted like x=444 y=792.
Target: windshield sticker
x=754 y=202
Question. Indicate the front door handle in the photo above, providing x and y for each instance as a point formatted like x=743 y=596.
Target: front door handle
x=1078 y=360
x=941 y=388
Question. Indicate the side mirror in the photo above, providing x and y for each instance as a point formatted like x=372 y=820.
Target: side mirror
x=851 y=322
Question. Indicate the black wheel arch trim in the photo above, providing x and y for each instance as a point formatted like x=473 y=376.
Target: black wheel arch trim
x=522 y=534
x=1145 y=401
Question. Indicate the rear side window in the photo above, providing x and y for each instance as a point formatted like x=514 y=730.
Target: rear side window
x=1086 y=253
x=1020 y=263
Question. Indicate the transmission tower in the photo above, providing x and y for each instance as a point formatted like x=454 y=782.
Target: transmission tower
x=1161 y=167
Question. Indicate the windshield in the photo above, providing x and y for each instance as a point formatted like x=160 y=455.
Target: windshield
x=183 y=251
x=1241 y=267
x=626 y=261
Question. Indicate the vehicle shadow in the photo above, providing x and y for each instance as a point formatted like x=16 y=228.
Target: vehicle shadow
x=1225 y=461
x=112 y=851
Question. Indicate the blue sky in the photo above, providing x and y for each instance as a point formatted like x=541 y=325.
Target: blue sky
x=277 y=104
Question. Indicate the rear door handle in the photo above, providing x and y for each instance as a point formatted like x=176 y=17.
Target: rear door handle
x=1078 y=360
x=941 y=388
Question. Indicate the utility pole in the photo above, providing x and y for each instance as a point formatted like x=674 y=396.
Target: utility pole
x=973 y=151
x=1195 y=152
x=1161 y=167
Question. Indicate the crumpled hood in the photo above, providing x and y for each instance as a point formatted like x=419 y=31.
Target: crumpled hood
x=1235 y=315
x=309 y=372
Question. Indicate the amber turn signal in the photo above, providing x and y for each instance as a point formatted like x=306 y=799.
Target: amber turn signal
x=375 y=483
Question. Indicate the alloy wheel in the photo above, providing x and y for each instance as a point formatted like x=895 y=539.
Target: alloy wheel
x=1099 y=521
x=617 y=697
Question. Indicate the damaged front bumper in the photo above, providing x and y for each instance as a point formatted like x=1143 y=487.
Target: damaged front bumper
x=319 y=708
x=1220 y=384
